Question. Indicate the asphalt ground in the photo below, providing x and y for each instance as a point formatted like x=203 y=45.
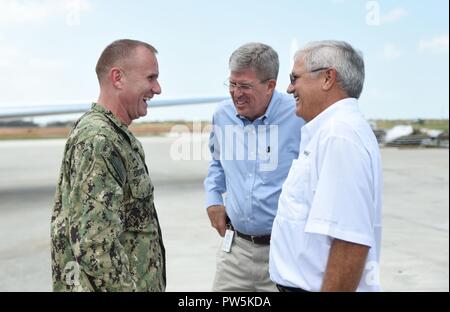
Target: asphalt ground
x=415 y=243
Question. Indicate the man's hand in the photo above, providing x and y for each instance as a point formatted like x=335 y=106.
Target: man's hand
x=218 y=217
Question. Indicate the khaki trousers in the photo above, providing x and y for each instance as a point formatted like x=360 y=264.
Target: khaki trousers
x=245 y=268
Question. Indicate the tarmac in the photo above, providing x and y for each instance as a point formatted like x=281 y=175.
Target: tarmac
x=415 y=243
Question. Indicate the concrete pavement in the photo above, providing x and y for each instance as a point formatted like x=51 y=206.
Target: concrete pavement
x=415 y=245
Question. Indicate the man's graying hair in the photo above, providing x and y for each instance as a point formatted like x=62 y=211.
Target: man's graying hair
x=256 y=56
x=348 y=62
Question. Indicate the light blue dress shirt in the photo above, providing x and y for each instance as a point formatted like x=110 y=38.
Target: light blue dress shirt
x=250 y=161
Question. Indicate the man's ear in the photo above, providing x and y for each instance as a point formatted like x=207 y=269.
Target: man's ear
x=329 y=79
x=116 y=77
x=271 y=85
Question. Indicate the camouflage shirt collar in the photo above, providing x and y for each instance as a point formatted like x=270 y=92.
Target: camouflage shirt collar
x=101 y=109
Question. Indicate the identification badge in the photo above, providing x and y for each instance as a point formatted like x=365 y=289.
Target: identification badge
x=227 y=240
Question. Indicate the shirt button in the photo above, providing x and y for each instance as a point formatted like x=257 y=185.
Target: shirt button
x=250 y=175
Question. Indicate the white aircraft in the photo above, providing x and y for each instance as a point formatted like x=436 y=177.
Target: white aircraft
x=30 y=111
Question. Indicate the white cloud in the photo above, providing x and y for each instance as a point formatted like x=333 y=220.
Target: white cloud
x=393 y=16
x=14 y=12
x=391 y=52
x=437 y=44
x=8 y=54
x=293 y=49
x=22 y=12
x=26 y=74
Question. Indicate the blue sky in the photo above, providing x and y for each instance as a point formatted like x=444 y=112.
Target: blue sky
x=49 y=48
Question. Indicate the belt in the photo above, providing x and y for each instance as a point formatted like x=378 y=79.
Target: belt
x=282 y=288
x=259 y=240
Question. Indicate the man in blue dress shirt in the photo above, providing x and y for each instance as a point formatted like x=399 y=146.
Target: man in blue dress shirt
x=254 y=138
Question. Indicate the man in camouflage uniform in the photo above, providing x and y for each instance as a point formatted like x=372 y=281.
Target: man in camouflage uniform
x=105 y=231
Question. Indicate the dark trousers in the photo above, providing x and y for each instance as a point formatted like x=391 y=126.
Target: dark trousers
x=282 y=288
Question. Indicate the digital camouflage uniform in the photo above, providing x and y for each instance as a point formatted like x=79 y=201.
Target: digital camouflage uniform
x=105 y=230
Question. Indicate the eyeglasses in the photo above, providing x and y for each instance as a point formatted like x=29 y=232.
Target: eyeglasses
x=293 y=77
x=243 y=87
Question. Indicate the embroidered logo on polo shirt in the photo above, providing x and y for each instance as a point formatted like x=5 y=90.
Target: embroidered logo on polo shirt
x=306 y=153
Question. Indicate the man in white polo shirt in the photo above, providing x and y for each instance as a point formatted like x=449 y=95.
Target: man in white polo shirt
x=327 y=232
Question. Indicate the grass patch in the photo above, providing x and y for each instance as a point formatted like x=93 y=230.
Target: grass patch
x=436 y=124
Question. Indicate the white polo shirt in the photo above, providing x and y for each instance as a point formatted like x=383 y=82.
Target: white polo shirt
x=333 y=190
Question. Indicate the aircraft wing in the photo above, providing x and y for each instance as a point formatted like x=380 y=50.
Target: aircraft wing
x=30 y=111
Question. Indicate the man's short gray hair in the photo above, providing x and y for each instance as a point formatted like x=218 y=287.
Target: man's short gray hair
x=258 y=57
x=116 y=52
x=347 y=61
